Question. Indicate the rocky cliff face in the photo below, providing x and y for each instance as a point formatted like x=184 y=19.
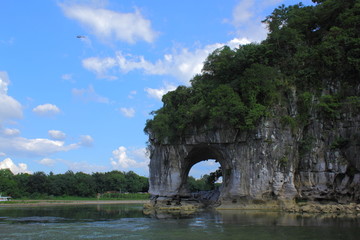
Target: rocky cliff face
x=319 y=160
x=328 y=167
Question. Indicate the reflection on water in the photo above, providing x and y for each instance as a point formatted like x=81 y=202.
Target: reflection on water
x=128 y=222
x=286 y=219
x=73 y=213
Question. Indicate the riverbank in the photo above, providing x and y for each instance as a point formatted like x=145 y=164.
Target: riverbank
x=15 y=203
x=168 y=205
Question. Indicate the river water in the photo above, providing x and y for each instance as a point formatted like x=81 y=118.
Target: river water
x=127 y=221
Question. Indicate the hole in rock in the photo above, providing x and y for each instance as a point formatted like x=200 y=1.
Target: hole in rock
x=204 y=176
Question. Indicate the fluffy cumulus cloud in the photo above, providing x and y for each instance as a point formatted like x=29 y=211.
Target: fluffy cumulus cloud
x=10 y=108
x=7 y=163
x=127 y=112
x=107 y=24
x=89 y=95
x=182 y=64
x=46 y=110
x=121 y=160
x=124 y=159
x=56 y=134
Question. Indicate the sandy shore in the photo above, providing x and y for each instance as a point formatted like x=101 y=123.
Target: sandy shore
x=16 y=203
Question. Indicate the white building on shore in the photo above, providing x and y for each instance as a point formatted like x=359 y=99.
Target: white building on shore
x=4 y=198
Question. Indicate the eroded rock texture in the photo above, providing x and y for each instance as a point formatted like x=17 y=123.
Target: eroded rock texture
x=317 y=161
x=329 y=163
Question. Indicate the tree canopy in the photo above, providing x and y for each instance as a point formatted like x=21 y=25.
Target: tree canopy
x=77 y=184
x=308 y=48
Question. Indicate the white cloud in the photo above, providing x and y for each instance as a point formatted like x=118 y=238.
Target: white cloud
x=21 y=146
x=89 y=95
x=129 y=62
x=141 y=155
x=11 y=132
x=247 y=17
x=86 y=141
x=100 y=66
x=7 y=163
x=128 y=112
x=13 y=144
x=42 y=146
x=235 y=42
x=10 y=108
x=182 y=64
x=46 y=110
x=108 y=25
x=56 y=134
x=158 y=93
x=47 y=162
x=121 y=160
x=4 y=82
x=242 y=12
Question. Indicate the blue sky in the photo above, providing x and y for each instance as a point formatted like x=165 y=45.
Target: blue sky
x=79 y=78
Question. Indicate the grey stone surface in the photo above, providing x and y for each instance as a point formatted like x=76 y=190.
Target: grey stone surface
x=317 y=161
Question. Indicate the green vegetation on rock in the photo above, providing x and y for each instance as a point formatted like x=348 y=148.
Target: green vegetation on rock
x=314 y=50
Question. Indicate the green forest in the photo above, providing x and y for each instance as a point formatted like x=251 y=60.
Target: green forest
x=311 y=50
x=41 y=186
x=114 y=184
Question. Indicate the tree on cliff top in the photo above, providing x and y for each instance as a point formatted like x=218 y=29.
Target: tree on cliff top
x=308 y=47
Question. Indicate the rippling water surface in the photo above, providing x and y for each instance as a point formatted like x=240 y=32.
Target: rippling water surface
x=128 y=222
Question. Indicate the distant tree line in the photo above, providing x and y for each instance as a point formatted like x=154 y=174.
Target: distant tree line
x=70 y=184
x=207 y=182
x=40 y=185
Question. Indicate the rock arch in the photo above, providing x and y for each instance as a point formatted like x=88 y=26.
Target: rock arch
x=248 y=161
x=170 y=166
x=268 y=163
x=200 y=153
